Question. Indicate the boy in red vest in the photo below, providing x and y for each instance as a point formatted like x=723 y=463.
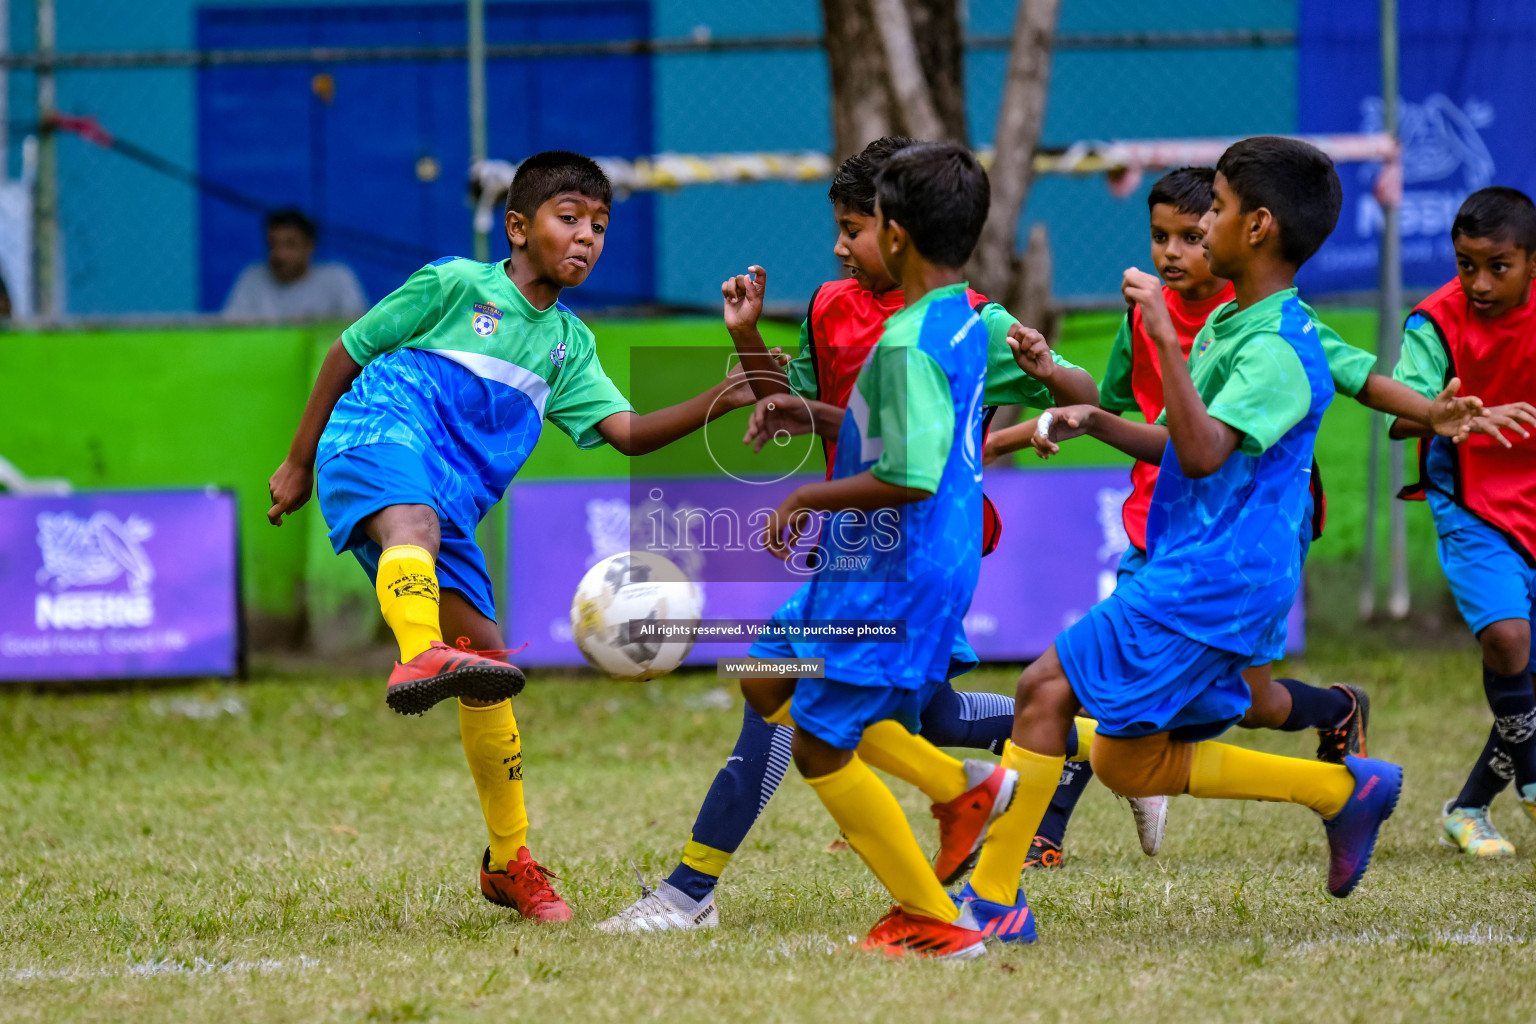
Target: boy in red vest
x=1481 y=327
x=1177 y=204
x=842 y=325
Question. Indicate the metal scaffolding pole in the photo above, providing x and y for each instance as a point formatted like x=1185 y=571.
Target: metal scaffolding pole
x=1388 y=348
x=475 y=14
x=45 y=198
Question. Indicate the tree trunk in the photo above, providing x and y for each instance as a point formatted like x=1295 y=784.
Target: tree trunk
x=995 y=268
x=919 y=92
x=862 y=108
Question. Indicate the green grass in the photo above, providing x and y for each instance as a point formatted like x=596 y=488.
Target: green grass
x=303 y=854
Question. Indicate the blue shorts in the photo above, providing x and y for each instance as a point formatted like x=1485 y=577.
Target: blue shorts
x=838 y=713
x=1137 y=677
x=357 y=482
x=1488 y=578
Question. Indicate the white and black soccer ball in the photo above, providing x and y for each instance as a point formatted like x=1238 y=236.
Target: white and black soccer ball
x=633 y=586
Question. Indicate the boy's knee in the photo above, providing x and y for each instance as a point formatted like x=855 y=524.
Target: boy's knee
x=1506 y=646
x=815 y=757
x=1154 y=765
x=769 y=697
x=1043 y=685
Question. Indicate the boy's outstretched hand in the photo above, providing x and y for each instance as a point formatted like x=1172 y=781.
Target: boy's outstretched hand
x=289 y=488
x=743 y=296
x=1495 y=420
x=784 y=414
x=1146 y=290
x=1056 y=425
x=1031 y=351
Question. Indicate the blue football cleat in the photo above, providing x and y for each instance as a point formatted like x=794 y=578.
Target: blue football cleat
x=1001 y=921
x=1352 y=832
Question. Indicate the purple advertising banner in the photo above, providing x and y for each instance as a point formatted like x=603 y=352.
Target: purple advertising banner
x=1062 y=540
x=124 y=585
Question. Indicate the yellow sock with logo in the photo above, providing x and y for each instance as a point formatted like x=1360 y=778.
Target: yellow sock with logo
x=996 y=877
x=1086 y=729
x=870 y=818
x=495 y=755
x=407 y=589
x=1221 y=771
x=889 y=747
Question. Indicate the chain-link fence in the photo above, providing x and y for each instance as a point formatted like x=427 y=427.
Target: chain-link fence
x=187 y=122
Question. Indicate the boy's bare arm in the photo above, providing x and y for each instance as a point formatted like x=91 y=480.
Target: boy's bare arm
x=1144 y=442
x=863 y=492
x=789 y=414
x=743 y=295
x=1008 y=439
x=1033 y=354
x=1201 y=442
x=294 y=481
x=632 y=433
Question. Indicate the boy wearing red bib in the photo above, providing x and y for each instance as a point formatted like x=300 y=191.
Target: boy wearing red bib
x=1481 y=328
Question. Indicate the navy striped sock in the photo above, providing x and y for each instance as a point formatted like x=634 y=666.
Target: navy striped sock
x=968 y=718
x=738 y=795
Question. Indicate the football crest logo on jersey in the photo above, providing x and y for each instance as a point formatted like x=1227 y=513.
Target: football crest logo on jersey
x=487 y=316
x=557 y=354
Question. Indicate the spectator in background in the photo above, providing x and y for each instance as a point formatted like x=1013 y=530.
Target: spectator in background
x=288 y=286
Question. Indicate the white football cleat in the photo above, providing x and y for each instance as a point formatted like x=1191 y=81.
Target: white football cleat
x=662 y=909
x=1151 y=820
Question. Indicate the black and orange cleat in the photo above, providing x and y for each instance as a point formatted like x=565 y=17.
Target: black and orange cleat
x=1347 y=739
x=524 y=887
x=1044 y=853
x=441 y=672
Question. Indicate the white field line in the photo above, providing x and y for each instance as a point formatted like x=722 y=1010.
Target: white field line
x=159 y=968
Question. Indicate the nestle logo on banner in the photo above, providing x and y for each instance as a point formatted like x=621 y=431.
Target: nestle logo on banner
x=93 y=552
x=1440 y=138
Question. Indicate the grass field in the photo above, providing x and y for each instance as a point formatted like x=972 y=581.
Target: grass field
x=289 y=850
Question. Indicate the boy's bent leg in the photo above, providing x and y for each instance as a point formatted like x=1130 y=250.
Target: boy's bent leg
x=1339 y=713
x=1045 y=706
x=967 y=797
x=871 y=819
x=509 y=876
x=410 y=588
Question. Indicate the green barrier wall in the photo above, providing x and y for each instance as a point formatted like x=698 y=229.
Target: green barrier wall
x=210 y=405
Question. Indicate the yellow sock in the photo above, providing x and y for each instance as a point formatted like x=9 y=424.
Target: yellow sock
x=888 y=746
x=996 y=877
x=495 y=755
x=1224 y=772
x=873 y=823
x=1086 y=727
x=407 y=589
x=705 y=859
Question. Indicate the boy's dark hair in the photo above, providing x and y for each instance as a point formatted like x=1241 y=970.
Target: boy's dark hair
x=853 y=183
x=940 y=194
x=1187 y=190
x=552 y=172
x=1295 y=181
x=1499 y=213
x=291 y=218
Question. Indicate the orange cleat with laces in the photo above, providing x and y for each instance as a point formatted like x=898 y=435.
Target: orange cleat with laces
x=524 y=887
x=963 y=821
x=441 y=672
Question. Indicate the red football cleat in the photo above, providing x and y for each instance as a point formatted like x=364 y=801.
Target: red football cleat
x=441 y=672
x=963 y=821
x=524 y=887
x=902 y=934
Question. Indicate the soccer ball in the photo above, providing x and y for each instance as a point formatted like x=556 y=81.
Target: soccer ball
x=621 y=588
